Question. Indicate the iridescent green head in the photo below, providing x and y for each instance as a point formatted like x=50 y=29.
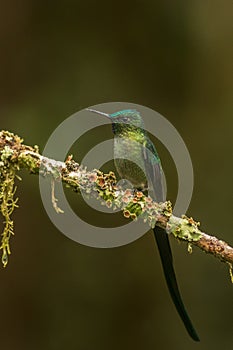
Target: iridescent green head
x=126 y=119
x=131 y=116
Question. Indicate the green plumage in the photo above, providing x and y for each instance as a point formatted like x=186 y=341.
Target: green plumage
x=135 y=156
x=137 y=161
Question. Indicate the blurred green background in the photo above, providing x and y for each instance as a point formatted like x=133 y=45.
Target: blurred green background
x=174 y=57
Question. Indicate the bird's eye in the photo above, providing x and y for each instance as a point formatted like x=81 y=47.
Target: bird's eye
x=125 y=119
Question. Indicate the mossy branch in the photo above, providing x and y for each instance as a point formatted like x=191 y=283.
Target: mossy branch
x=15 y=156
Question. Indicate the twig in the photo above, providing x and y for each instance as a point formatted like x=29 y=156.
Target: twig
x=103 y=187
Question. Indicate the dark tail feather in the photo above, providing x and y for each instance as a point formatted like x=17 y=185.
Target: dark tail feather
x=166 y=258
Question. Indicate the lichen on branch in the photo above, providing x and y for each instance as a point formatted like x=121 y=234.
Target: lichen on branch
x=134 y=204
x=8 y=201
x=10 y=149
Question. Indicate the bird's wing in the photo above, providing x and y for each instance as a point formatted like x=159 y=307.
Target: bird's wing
x=153 y=170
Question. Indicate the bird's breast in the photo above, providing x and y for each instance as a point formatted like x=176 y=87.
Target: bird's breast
x=129 y=161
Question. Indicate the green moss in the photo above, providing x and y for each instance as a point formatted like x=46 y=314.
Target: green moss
x=133 y=210
x=8 y=202
x=185 y=229
x=28 y=161
x=6 y=153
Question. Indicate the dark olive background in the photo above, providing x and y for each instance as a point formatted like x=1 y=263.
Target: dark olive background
x=59 y=57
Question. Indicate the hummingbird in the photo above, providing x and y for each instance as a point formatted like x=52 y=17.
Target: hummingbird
x=145 y=174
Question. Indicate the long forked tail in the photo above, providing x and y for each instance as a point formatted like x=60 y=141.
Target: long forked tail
x=166 y=258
